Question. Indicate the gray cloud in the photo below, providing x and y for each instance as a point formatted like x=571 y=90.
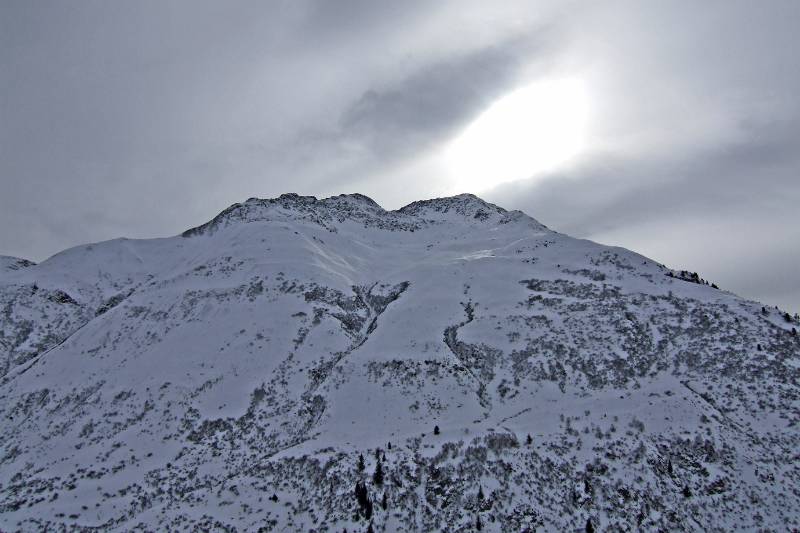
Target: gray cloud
x=434 y=102
x=721 y=179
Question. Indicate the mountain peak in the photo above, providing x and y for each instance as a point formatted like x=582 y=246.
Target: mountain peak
x=356 y=198
x=464 y=204
x=361 y=209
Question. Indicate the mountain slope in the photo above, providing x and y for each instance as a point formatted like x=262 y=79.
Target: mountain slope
x=230 y=377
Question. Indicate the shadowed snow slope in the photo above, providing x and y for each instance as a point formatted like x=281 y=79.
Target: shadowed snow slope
x=230 y=378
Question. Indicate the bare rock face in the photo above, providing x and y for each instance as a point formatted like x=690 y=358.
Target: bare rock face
x=304 y=364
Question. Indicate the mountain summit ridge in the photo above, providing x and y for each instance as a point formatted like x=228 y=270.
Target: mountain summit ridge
x=357 y=207
x=255 y=371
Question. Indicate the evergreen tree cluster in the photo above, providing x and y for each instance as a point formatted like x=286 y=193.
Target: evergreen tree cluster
x=691 y=277
x=361 y=492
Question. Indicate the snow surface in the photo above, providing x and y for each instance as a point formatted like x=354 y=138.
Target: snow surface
x=8 y=263
x=180 y=383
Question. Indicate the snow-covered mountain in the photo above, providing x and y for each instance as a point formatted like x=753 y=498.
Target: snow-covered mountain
x=257 y=370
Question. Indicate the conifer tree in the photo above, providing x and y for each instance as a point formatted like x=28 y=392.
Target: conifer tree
x=361 y=462
x=377 y=477
x=435 y=430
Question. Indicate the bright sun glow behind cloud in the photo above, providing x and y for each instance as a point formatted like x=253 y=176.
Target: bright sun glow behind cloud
x=531 y=130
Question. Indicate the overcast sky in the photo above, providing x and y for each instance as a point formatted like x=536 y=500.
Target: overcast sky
x=143 y=118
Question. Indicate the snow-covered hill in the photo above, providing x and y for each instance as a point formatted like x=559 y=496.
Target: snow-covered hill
x=505 y=377
x=13 y=263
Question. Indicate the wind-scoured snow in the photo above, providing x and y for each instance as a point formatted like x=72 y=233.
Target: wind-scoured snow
x=506 y=377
